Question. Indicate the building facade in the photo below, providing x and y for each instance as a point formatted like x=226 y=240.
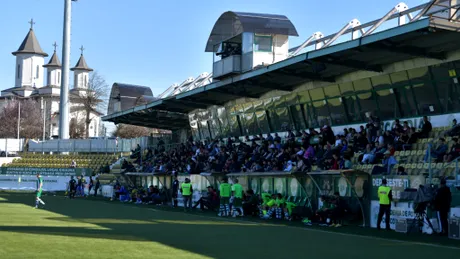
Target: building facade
x=42 y=82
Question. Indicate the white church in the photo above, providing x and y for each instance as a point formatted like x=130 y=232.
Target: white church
x=30 y=83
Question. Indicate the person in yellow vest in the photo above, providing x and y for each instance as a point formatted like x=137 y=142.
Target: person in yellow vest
x=237 y=193
x=225 y=192
x=385 y=197
x=187 y=191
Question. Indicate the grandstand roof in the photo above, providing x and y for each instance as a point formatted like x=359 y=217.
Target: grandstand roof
x=429 y=37
x=125 y=96
x=231 y=24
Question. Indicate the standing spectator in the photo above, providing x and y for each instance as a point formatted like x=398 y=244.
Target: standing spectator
x=187 y=191
x=90 y=185
x=175 y=190
x=98 y=185
x=385 y=196
x=426 y=128
x=442 y=203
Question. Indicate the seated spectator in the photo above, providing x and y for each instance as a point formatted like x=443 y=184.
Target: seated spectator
x=401 y=171
x=347 y=164
x=437 y=153
x=323 y=213
x=387 y=164
x=454 y=151
x=73 y=164
x=455 y=130
x=369 y=155
x=210 y=201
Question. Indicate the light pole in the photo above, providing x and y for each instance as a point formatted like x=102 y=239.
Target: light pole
x=64 y=97
x=19 y=116
x=43 y=106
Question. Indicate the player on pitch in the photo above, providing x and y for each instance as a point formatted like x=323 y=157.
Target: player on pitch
x=39 y=191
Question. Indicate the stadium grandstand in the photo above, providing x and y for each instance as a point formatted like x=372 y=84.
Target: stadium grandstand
x=379 y=98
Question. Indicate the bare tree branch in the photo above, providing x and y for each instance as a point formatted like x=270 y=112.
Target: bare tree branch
x=92 y=99
x=31 y=124
x=131 y=131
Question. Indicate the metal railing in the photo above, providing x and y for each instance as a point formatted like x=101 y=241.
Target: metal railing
x=442 y=9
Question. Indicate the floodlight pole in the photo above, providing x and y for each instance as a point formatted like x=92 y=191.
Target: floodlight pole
x=64 y=97
x=19 y=116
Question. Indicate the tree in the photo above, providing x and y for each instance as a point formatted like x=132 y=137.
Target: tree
x=92 y=99
x=31 y=122
x=77 y=128
x=130 y=131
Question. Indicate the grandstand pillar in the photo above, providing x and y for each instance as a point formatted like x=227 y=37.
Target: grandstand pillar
x=454 y=12
x=64 y=98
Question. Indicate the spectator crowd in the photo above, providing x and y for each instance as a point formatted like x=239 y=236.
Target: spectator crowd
x=296 y=151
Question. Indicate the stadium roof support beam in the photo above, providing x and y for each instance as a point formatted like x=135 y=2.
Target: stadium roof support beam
x=412 y=51
x=352 y=24
x=316 y=36
x=399 y=8
x=306 y=75
x=425 y=9
x=351 y=64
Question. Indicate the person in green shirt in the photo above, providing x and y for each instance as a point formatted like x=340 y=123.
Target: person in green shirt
x=280 y=205
x=38 y=200
x=268 y=207
x=237 y=193
x=225 y=193
x=187 y=192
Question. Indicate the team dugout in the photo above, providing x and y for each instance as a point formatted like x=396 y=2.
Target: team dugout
x=259 y=85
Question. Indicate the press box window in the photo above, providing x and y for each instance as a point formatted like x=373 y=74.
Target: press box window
x=263 y=43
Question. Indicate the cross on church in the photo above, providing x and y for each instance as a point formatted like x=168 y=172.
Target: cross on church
x=82 y=49
x=31 y=23
x=55 y=46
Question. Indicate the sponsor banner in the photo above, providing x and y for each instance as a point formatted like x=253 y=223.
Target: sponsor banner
x=29 y=183
x=44 y=171
x=107 y=191
x=398 y=184
x=399 y=210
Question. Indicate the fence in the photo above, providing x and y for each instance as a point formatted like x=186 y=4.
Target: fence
x=9 y=145
x=91 y=145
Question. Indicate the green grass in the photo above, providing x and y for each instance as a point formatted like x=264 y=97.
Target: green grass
x=85 y=228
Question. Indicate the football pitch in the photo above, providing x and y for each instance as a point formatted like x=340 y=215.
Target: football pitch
x=93 y=228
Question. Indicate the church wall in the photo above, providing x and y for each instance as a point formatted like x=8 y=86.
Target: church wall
x=54 y=76
x=80 y=79
x=31 y=71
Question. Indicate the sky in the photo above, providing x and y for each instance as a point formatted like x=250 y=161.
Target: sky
x=158 y=43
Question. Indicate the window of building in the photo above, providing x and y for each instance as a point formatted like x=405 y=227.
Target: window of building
x=263 y=43
x=298 y=117
x=37 y=72
x=19 y=71
x=310 y=115
x=59 y=78
x=322 y=113
x=86 y=81
x=351 y=107
x=387 y=104
x=332 y=91
x=337 y=110
x=405 y=98
x=367 y=102
x=262 y=121
x=249 y=124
